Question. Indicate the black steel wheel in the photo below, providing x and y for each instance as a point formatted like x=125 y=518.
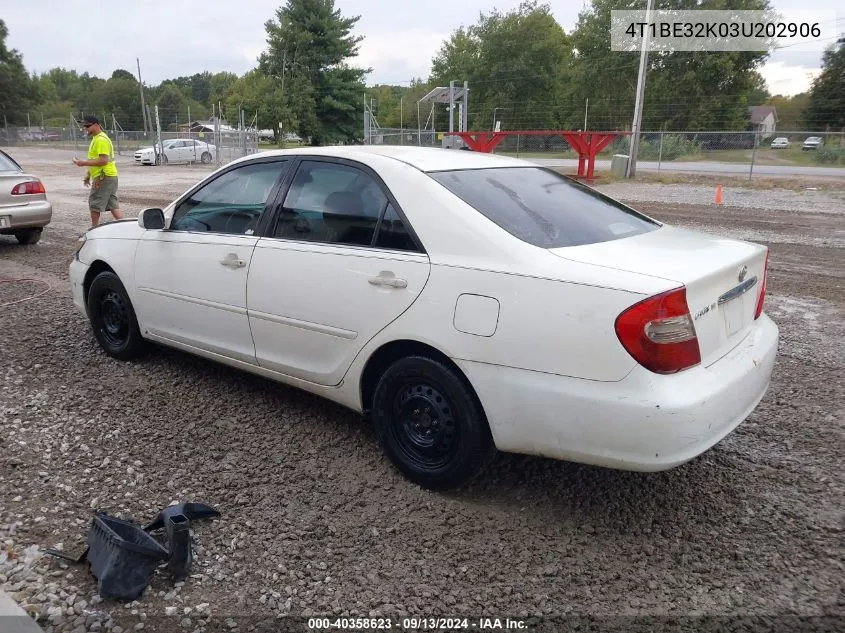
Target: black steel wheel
x=430 y=424
x=28 y=236
x=113 y=318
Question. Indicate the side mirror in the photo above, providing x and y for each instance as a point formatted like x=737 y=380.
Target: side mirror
x=151 y=219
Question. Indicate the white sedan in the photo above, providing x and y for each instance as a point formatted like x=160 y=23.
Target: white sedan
x=177 y=150
x=465 y=302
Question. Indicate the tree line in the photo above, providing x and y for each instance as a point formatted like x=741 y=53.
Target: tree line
x=522 y=68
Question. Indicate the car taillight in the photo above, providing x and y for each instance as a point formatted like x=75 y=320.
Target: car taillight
x=762 y=296
x=29 y=187
x=659 y=333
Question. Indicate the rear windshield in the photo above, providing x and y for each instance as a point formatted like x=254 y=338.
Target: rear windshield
x=543 y=207
x=7 y=164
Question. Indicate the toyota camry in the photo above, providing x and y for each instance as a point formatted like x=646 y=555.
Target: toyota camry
x=463 y=302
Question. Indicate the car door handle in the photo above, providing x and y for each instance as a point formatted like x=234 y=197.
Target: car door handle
x=387 y=278
x=231 y=261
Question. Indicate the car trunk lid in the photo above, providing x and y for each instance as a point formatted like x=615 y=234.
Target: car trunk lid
x=722 y=277
x=8 y=181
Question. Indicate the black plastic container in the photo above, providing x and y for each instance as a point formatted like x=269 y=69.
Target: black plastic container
x=122 y=556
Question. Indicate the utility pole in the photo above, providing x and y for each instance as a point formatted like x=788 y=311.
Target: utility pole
x=638 y=107
x=144 y=112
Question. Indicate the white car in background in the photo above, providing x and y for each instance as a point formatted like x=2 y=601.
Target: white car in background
x=178 y=150
x=812 y=142
x=781 y=142
x=464 y=301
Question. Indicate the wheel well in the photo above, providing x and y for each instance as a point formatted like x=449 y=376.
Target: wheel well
x=393 y=351
x=96 y=268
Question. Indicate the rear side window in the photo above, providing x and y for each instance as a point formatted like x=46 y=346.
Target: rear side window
x=7 y=164
x=542 y=207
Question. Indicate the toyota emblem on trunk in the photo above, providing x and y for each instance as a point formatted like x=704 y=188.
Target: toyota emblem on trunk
x=743 y=272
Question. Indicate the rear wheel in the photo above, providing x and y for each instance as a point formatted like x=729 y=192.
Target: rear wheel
x=430 y=424
x=28 y=236
x=113 y=318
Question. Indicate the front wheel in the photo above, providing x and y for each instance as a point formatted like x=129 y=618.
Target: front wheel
x=430 y=424
x=205 y=158
x=113 y=318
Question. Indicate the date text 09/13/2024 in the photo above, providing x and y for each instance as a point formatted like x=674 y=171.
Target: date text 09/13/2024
x=417 y=624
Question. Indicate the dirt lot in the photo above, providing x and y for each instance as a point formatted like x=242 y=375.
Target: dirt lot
x=314 y=519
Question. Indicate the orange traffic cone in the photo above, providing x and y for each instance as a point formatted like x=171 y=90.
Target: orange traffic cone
x=718 y=194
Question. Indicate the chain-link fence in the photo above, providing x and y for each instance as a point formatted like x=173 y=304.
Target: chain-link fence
x=398 y=136
x=740 y=151
x=788 y=151
x=209 y=142
x=213 y=142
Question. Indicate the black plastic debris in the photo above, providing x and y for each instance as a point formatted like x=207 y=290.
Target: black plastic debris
x=122 y=556
x=176 y=521
x=179 y=539
x=192 y=511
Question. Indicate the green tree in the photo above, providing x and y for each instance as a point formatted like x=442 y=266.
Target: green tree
x=684 y=90
x=791 y=111
x=120 y=96
x=826 y=107
x=219 y=85
x=516 y=62
x=309 y=42
x=121 y=73
x=171 y=103
x=17 y=90
x=257 y=93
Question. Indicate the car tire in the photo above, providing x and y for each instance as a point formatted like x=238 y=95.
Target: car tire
x=28 y=236
x=113 y=318
x=161 y=159
x=205 y=158
x=430 y=424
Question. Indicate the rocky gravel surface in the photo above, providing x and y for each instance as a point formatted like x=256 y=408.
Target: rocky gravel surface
x=314 y=521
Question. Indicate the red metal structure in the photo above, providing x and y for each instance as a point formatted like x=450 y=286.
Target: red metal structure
x=587 y=144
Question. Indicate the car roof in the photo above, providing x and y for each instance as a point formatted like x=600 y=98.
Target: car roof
x=425 y=159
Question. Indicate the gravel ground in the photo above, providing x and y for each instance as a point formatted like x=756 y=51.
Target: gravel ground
x=315 y=521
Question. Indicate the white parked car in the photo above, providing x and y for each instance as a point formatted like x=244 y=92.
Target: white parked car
x=464 y=301
x=177 y=150
x=812 y=142
x=781 y=142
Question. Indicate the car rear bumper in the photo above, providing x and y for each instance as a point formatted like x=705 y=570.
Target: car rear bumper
x=645 y=422
x=26 y=216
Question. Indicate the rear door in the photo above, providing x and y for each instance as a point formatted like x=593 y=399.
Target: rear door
x=338 y=265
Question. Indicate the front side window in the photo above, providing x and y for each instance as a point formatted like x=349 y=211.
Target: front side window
x=231 y=203
x=543 y=207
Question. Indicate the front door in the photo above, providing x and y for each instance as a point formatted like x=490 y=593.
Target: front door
x=192 y=276
x=338 y=266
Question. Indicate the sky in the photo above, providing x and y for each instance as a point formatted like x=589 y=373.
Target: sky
x=183 y=37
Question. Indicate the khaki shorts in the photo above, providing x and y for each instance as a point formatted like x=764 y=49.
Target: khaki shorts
x=103 y=196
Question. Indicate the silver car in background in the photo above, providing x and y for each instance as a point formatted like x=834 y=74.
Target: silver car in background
x=24 y=208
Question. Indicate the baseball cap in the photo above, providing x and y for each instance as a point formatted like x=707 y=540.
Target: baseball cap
x=90 y=119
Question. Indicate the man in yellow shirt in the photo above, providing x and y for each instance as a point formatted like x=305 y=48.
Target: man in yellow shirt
x=102 y=172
